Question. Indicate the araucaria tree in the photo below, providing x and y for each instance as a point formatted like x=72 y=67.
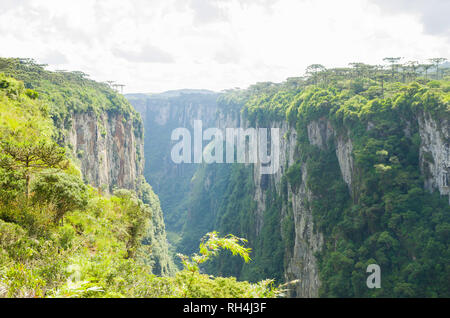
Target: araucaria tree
x=30 y=158
x=436 y=62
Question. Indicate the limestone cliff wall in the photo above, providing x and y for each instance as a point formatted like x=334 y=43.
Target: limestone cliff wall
x=435 y=153
x=109 y=152
x=302 y=265
x=162 y=114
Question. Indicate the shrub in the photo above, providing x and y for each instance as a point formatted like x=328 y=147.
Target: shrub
x=65 y=192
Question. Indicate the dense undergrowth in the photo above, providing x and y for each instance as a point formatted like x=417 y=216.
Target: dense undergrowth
x=386 y=217
x=62 y=238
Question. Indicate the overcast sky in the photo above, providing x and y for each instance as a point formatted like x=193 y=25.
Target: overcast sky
x=159 y=45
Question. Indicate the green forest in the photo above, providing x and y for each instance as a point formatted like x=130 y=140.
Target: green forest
x=218 y=157
x=60 y=237
x=387 y=217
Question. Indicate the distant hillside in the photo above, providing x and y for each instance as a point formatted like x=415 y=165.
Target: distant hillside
x=170 y=94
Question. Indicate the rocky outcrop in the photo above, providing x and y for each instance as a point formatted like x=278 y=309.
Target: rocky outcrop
x=302 y=266
x=109 y=150
x=435 y=153
x=344 y=153
x=320 y=132
x=161 y=114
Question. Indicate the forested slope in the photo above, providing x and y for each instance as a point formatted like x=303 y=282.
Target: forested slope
x=65 y=234
x=161 y=114
x=364 y=179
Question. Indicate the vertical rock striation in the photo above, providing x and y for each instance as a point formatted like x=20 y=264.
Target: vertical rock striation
x=300 y=262
x=108 y=148
x=435 y=153
x=162 y=113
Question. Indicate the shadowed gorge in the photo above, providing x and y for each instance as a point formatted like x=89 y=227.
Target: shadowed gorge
x=363 y=180
x=224 y=157
x=77 y=218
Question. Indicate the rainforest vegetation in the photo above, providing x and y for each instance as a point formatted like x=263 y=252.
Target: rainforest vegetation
x=60 y=237
x=386 y=217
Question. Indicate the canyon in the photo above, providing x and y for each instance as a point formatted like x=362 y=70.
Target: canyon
x=163 y=113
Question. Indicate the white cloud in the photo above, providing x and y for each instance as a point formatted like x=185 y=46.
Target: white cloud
x=433 y=13
x=208 y=11
x=147 y=54
x=158 y=45
x=55 y=58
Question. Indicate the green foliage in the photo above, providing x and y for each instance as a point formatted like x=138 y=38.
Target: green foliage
x=103 y=247
x=12 y=184
x=26 y=155
x=26 y=132
x=65 y=93
x=294 y=174
x=137 y=215
x=89 y=257
x=385 y=217
x=203 y=286
x=268 y=107
x=65 y=192
x=210 y=246
x=32 y=94
x=29 y=158
x=21 y=117
x=155 y=238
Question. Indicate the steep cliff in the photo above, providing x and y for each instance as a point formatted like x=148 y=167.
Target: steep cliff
x=101 y=132
x=60 y=238
x=108 y=148
x=435 y=153
x=349 y=191
x=377 y=156
x=161 y=114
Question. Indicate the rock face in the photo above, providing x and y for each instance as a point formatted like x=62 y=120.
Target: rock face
x=161 y=114
x=319 y=133
x=108 y=149
x=301 y=264
x=181 y=110
x=110 y=152
x=344 y=150
x=435 y=153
